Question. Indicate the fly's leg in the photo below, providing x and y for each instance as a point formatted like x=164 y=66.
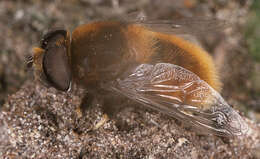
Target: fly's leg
x=112 y=105
x=86 y=102
x=104 y=119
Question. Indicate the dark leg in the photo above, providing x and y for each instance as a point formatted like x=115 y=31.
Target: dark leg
x=81 y=109
x=86 y=102
x=114 y=104
x=111 y=105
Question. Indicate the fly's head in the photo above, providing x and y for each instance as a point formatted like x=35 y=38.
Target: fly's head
x=51 y=61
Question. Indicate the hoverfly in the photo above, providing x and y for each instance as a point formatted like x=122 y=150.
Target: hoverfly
x=143 y=60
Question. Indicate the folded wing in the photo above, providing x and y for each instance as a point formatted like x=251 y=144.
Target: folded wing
x=181 y=94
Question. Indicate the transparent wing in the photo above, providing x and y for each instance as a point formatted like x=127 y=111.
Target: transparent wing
x=181 y=94
x=193 y=25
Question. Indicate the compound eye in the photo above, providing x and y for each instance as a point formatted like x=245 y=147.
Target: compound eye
x=55 y=64
x=56 y=67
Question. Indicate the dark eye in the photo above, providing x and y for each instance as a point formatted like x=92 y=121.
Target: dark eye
x=55 y=62
x=56 y=68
